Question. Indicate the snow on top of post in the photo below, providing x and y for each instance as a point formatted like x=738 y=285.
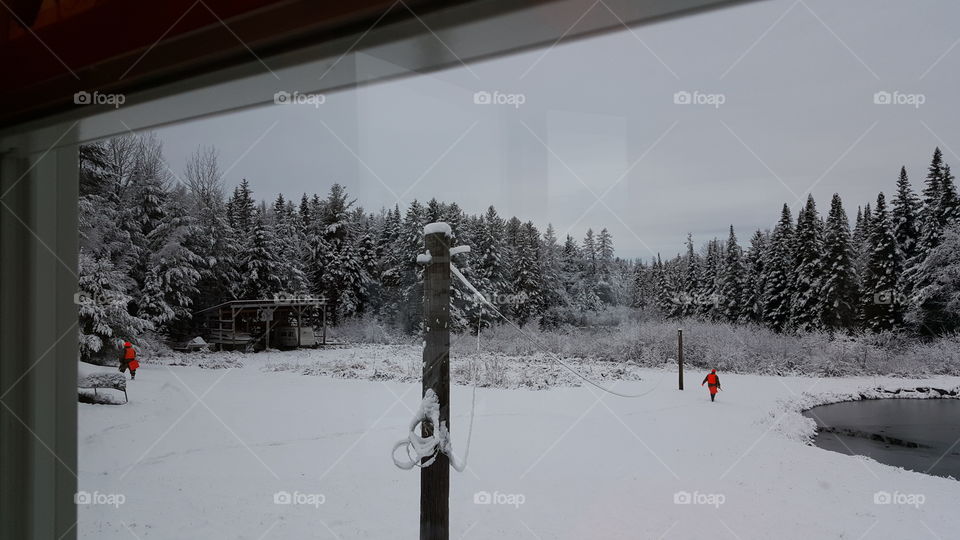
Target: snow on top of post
x=438 y=227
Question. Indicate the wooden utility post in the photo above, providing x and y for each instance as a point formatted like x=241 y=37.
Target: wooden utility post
x=324 y=324
x=680 y=354
x=435 y=479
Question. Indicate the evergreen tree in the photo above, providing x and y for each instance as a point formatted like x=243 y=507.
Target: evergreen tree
x=779 y=276
x=605 y=286
x=306 y=218
x=175 y=266
x=706 y=297
x=573 y=268
x=403 y=276
x=590 y=253
x=554 y=294
x=527 y=276
x=882 y=295
x=290 y=244
x=103 y=301
x=931 y=214
x=387 y=239
x=261 y=272
x=949 y=200
x=434 y=212
x=367 y=254
x=905 y=216
x=644 y=286
x=806 y=308
x=839 y=293
x=664 y=293
x=938 y=211
x=242 y=210
x=217 y=241
x=755 y=280
x=733 y=281
x=690 y=288
x=144 y=203
x=111 y=269
x=152 y=305
x=935 y=307
x=491 y=272
x=337 y=271
x=604 y=249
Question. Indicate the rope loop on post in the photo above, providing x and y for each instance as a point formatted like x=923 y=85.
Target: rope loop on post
x=418 y=447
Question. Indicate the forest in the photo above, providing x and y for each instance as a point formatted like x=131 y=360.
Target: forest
x=157 y=246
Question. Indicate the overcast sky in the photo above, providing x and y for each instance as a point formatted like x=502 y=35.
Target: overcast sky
x=599 y=120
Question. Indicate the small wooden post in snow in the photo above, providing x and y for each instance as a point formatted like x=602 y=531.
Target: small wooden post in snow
x=680 y=354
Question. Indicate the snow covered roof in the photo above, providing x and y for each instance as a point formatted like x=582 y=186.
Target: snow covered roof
x=280 y=302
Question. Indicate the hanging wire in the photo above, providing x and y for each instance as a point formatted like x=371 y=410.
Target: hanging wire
x=557 y=359
x=419 y=448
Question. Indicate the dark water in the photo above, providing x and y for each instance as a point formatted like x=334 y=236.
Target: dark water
x=921 y=435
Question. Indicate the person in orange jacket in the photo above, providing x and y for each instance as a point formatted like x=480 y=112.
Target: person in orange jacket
x=712 y=380
x=128 y=360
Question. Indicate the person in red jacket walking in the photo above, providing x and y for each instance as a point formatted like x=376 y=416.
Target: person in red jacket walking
x=712 y=380
x=128 y=360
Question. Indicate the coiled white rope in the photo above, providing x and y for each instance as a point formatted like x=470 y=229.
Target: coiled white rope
x=425 y=447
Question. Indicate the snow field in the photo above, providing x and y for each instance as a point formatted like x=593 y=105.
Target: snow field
x=560 y=463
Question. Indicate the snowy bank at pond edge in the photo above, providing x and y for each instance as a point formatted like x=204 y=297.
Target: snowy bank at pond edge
x=787 y=418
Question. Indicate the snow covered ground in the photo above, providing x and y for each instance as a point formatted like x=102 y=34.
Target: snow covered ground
x=212 y=453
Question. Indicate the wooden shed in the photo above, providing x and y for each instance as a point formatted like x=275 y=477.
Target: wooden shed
x=286 y=322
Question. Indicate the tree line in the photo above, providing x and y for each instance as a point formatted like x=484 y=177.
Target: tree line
x=897 y=269
x=157 y=247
